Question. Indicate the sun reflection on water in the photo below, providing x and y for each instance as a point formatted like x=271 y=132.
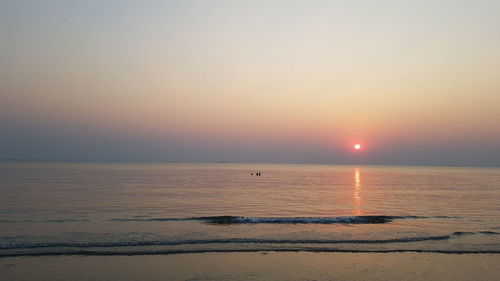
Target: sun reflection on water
x=357 y=190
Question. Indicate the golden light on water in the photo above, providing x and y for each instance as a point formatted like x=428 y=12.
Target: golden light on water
x=357 y=190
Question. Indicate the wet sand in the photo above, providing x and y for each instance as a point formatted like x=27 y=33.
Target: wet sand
x=256 y=266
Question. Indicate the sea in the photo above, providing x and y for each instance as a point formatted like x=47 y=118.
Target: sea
x=62 y=208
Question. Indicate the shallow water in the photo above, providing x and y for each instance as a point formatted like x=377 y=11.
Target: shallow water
x=131 y=208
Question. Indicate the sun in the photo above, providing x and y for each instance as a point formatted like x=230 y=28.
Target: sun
x=357 y=146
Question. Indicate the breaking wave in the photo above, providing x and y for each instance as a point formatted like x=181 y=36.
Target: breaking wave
x=225 y=220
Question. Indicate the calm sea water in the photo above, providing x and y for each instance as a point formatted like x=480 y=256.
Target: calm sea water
x=160 y=208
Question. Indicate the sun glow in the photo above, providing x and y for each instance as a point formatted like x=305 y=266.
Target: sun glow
x=357 y=146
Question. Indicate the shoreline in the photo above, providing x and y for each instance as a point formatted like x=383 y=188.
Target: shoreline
x=255 y=266
x=91 y=253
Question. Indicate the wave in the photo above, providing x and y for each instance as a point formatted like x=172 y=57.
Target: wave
x=214 y=245
x=489 y=232
x=264 y=250
x=462 y=233
x=216 y=241
x=226 y=220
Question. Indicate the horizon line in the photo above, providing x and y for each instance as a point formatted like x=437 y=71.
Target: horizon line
x=117 y=161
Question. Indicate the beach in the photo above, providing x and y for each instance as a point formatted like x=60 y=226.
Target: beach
x=255 y=266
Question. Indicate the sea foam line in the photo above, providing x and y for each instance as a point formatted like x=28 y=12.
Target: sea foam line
x=18 y=246
x=216 y=241
x=199 y=251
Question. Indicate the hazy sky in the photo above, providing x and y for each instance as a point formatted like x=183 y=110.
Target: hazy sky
x=414 y=82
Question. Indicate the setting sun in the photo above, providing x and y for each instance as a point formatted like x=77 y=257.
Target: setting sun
x=357 y=146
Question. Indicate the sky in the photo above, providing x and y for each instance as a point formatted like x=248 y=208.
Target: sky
x=413 y=82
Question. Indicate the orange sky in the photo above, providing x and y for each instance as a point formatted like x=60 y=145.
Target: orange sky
x=269 y=81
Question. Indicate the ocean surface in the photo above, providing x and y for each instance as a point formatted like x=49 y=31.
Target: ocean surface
x=168 y=208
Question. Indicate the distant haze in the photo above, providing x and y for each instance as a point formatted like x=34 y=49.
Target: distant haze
x=414 y=82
